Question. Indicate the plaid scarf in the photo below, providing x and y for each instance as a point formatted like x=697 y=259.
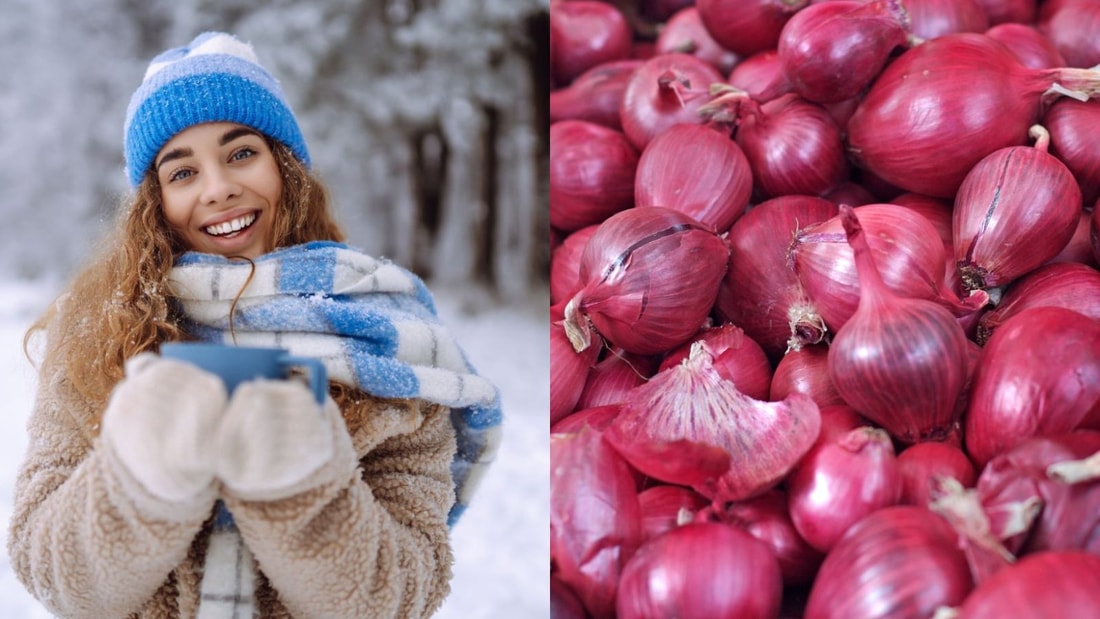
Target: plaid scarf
x=372 y=323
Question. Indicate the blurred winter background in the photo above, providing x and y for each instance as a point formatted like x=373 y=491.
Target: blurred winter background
x=426 y=118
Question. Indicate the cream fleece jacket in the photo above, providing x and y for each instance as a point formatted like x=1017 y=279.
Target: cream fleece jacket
x=367 y=537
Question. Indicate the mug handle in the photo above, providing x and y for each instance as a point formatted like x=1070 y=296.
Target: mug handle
x=318 y=375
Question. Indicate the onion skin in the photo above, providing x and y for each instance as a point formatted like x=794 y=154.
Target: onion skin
x=1067 y=285
x=736 y=357
x=595 y=95
x=761 y=76
x=586 y=33
x=592 y=170
x=901 y=561
x=935 y=18
x=1033 y=49
x=1072 y=28
x=760 y=293
x=565 y=264
x=595 y=519
x=1013 y=198
x=922 y=463
x=1040 y=586
x=636 y=292
x=941 y=106
x=701 y=570
x=667 y=89
x=684 y=32
x=831 y=51
x=899 y=362
x=696 y=170
x=1069 y=122
x=598 y=418
x=805 y=370
x=1018 y=11
x=568 y=372
x=840 y=482
x=564 y=604
x=747 y=26
x=1039 y=374
x=664 y=505
x=612 y=377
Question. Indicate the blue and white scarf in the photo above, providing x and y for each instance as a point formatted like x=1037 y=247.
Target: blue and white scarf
x=371 y=322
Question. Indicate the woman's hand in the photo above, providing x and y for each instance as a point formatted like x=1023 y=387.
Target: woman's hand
x=161 y=422
x=274 y=435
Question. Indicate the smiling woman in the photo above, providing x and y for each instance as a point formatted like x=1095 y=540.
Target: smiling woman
x=203 y=502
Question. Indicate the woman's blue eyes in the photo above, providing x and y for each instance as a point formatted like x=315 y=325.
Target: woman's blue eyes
x=240 y=154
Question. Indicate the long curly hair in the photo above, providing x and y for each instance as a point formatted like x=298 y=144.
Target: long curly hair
x=119 y=305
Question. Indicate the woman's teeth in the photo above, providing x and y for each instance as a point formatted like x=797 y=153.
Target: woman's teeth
x=229 y=227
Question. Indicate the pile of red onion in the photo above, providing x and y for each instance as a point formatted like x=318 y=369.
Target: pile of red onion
x=825 y=309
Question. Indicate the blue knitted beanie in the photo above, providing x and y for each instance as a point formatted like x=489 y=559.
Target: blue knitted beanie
x=214 y=78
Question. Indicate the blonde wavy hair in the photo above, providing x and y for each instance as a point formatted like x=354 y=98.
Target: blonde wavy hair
x=119 y=305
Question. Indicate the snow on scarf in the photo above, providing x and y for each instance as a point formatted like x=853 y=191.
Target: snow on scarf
x=372 y=323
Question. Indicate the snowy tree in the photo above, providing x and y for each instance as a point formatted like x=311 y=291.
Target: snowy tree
x=425 y=117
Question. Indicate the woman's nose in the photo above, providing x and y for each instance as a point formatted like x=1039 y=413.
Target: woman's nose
x=218 y=185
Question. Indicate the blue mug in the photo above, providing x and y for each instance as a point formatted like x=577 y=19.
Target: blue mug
x=237 y=364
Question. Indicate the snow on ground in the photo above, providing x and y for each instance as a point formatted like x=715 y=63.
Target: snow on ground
x=502 y=541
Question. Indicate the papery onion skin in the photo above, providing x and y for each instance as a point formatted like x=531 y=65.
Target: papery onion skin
x=1069 y=517
x=899 y=362
x=598 y=418
x=701 y=570
x=1039 y=586
x=650 y=276
x=592 y=170
x=940 y=107
x=612 y=377
x=842 y=481
x=747 y=26
x=696 y=170
x=760 y=293
x=831 y=51
x=1039 y=374
x=595 y=519
x=1068 y=285
x=922 y=463
x=594 y=95
x=667 y=89
x=691 y=408
x=736 y=357
x=1016 y=197
x=901 y=561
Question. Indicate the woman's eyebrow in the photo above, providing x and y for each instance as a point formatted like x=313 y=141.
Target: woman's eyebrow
x=235 y=133
x=175 y=153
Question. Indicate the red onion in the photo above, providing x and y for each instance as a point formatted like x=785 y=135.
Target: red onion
x=1072 y=27
x=831 y=51
x=564 y=604
x=935 y=18
x=1070 y=122
x=595 y=95
x=761 y=76
x=1094 y=231
x=696 y=170
x=898 y=361
x=1055 y=474
x=636 y=292
x=592 y=172
x=901 y=561
x=598 y=418
x=941 y=106
x=793 y=145
x=842 y=481
x=805 y=370
x=1079 y=248
x=565 y=264
x=665 y=507
x=1063 y=284
x=1015 y=197
x=736 y=358
x=667 y=89
x=767 y=518
x=907 y=251
x=584 y=34
x=923 y=463
x=850 y=193
x=1033 y=49
x=760 y=293
x=1002 y=11
x=688 y=425
x=937 y=211
x=568 y=371
x=701 y=570
x=1039 y=374
x=684 y=33
x=747 y=26
x=662 y=10
x=595 y=520
x=1039 y=586
x=611 y=378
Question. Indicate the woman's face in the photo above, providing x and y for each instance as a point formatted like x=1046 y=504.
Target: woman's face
x=220 y=186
